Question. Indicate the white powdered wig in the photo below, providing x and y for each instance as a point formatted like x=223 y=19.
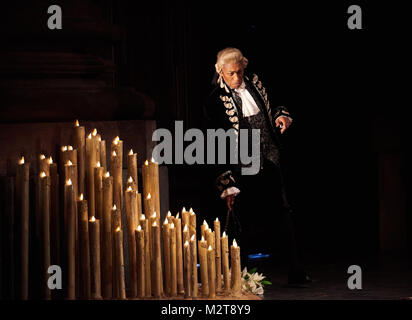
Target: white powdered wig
x=230 y=55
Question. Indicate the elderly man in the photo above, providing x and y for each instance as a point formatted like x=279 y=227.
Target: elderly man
x=256 y=204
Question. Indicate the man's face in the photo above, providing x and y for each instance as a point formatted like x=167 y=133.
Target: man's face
x=232 y=74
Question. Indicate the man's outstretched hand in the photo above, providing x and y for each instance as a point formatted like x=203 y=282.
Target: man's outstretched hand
x=230 y=200
x=285 y=121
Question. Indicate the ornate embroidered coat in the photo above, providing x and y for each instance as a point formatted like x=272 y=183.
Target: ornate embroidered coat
x=222 y=110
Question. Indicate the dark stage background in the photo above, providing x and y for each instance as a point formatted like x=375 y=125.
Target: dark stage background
x=346 y=150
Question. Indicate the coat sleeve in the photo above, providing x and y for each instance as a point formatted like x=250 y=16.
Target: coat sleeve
x=221 y=176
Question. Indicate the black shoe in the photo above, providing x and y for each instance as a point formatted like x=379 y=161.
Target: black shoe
x=300 y=280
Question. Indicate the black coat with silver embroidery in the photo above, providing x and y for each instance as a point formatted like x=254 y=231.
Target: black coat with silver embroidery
x=223 y=110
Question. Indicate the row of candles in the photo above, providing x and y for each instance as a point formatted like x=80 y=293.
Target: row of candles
x=93 y=231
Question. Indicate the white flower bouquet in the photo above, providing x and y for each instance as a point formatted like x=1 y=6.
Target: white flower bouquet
x=253 y=282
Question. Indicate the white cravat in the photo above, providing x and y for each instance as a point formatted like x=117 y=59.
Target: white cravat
x=249 y=107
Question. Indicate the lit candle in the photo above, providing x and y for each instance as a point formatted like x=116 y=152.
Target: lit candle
x=84 y=248
x=98 y=190
x=140 y=253
x=185 y=216
x=179 y=254
x=157 y=266
x=225 y=263
x=166 y=257
x=186 y=236
x=210 y=238
x=218 y=255
x=103 y=156
x=119 y=264
x=187 y=269
x=236 y=275
x=192 y=222
x=131 y=220
x=193 y=258
x=203 y=266
x=150 y=179
x=203 y=228
x=173 y=261
x=211 y=271
x=54 y=214
x=148 y=277
x=22 y=196
x=79 y=144
x=44 y=165
x=107 y=256
x=92 y=157
x=148 y=206
x=95 y=272
x=45 y=230
x=70 y=240
x=116 y=165
x=132 y=168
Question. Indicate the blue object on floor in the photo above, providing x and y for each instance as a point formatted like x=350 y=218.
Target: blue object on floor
x=258 y=256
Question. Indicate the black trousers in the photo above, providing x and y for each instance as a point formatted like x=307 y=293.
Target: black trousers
x=262 y=219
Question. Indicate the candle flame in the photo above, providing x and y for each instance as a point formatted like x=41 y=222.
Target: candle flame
x=131 y=152
x=204 y=222
x=152 y=160
x=114 y=154
x=146 y=163
x=172 y=225
x=70 y=148
x=184 y=209
x=107 y=174
x=21 y=161
x=139 y=228
x=210 y=248
x=154 y=224
x=186 y=243
x=50 y=160
x=149 y=196
x=98 y=164
x=116 y=140
x=42 y=174
x=42 y=157
x=154 y=214
x=217 y=220
x=130 y=180
x=190 y=210
x=177 y=215
x=81 y=197
x=64 y=148
x=89 y=136
x=69 y=163
x=169 y=214
x=185 y=228
x=234 y=243
x=203 y=238
x=142 y=217
x=114 y=207
x=224 y=234
x=129 y=189
x=118 y=229
x=192 y=238
x=94 y=132
x=93 y=219
x=100 y=138
x=69 y=182
x=166 y=221
x=76 y=123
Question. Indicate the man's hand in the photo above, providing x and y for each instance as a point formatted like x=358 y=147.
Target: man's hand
x=230 y=200
x=285 y=121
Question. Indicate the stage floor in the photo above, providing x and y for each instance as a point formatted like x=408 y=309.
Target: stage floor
x=390 y=279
